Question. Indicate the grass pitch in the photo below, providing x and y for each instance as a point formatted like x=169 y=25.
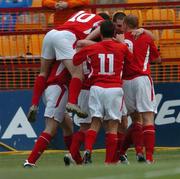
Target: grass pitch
x=51 y=166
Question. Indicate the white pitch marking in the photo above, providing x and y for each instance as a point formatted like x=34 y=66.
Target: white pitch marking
x=155 y=174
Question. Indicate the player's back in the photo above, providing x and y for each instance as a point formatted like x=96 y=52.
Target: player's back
x=81 y=23
x=59 y=74
x=142 y=50
x=107 y=58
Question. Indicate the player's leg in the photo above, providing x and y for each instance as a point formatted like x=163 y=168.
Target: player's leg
x=146 y=105
x=97 y=113
x=90 y=138
x=48 y=56
x=74 y=88
x=42 y=142
x=149 y=135
x=55 y=97
x=122 y=128
x=111 y=141
x=112 y=97
x=129 y=96
x=67 y=128
x=84 y=123
x=137 y=135
x=78 y=140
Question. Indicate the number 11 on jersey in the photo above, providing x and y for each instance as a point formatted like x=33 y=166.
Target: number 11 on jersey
x=103 y=60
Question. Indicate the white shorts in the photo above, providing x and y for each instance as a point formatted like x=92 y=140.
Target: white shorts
x=139 y=95
x=55 y=98
x=58 y=45
x=106 y=103
x=83 y=104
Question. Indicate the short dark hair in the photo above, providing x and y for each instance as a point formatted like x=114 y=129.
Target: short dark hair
x=104 y=15
x=107 y=29
x=118 y=15
x=131 y=21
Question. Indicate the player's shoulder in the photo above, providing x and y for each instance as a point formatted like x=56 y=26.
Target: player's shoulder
x=146 y=37
x=128 y=35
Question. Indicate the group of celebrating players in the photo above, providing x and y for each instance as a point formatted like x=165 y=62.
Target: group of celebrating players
x=99 y=70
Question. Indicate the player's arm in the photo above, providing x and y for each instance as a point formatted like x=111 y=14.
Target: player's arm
x=94 y=34
x=140 y=31
x=75 y=3
x=84 y=43
x=81 y=56
x=49 y=3
x=154 y=53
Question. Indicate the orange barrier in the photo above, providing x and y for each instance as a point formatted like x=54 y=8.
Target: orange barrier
x=21 y=40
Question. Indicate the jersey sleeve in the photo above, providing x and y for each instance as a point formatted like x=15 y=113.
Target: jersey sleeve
x=82 y=55
x=75 y=3
x=154 y=54
x=49 y=3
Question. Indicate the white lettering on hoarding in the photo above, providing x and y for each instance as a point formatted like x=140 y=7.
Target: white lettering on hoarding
x=19 y=126
x=166 y=113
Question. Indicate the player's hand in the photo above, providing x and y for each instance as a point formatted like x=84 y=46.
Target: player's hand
x=61 y=5
x=136 y=33
x=119 y=38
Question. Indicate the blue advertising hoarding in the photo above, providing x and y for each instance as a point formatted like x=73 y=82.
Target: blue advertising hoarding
x=17 y=132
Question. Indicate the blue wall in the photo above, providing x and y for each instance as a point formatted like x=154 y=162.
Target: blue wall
x=15 y=130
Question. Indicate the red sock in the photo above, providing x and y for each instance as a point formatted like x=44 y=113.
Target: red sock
x=120 y=136
x=149 y=141
x=90 y=139
x=74 y=90
x=39 y=87
x=78 y=139
x=111 y=148
x=127 y=141
x=40 y=145
x=68 y=141
x=137 y=137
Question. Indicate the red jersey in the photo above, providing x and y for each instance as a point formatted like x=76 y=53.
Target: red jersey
x=81 y=23
x=59 y=75
x=86 y=70
x=106 y=59
x=144 y=51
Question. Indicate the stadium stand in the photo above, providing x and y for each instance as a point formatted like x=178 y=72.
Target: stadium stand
x=170 y=43
x=21 y=39
x=159 y=16
x=36 y=3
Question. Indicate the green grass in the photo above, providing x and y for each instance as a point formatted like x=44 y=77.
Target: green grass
x=51 y=166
